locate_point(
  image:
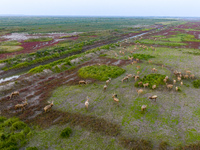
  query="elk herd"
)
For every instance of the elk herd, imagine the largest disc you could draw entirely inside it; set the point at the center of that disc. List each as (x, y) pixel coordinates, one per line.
(169, 86)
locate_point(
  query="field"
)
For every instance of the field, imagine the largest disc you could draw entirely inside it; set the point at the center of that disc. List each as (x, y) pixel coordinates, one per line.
(53, 71)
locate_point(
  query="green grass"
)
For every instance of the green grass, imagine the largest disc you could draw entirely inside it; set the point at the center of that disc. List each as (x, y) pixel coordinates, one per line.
(10, 49)
(42, 39)
(143, 56)
(182, 37)
(152, 79)
(10, 43)
(13, 133)
(152, 42)
(102, 72)
(196, 83)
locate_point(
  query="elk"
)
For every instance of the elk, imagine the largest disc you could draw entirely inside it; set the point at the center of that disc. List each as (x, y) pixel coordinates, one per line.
(136, 77)
(139, 91)
(192, 76)
(116, 55)
(143, 108)
(153, 97)
(107, 81)
(174, 81)
(153, 69)
(22, 106)
(134, 62)
(138, 72)
(165, 80)
(48, 107)
(167, 77)
(129, 75)
(137, 60)
(130, 58)
(125, 78)
(82, 82)
(185, 76)
(146, 85)
(176, 88)
(182, 83)
(114, 96)
(87, 103)
(105, 87)
(179, 78)
(162, 66)
(138, 67)
(154, 86)
(150, 61)
(187, 72)
(14, 94)
(169, 86)
(140, 83)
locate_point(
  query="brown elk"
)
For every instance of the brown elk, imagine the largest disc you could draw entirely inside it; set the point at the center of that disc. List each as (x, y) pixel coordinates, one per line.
(48, 107)
(125, 78)
(143, 108)
(108, 81)
(105, 87)
(139, 91)
(22, 106)
(153, 97)
(136, 77)
(169, 86)
(14, 94)
(82, 82)
(146, 85)
(154, 70)
(154, 86)
(115, 99)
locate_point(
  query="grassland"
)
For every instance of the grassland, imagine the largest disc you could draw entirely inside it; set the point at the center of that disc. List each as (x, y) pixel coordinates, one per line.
(173, 118)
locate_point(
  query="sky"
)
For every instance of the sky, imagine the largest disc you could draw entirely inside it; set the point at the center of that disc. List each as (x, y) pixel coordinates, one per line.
(173, 8)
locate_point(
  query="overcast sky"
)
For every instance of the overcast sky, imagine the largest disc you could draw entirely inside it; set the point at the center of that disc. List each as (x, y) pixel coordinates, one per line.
(181, 8)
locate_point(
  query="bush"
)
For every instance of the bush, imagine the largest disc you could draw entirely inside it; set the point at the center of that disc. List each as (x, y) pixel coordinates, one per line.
(18, 125)
(10, 139)
(196, 83)
(32, 148)
(66, 132)
(102, 72)
(152, 79)
(142, 56)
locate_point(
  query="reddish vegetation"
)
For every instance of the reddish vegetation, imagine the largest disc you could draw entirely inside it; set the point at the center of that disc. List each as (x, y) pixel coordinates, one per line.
(29, 47)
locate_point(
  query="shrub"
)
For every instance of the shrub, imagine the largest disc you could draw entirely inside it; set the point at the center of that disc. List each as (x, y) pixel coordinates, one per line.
(152, 79)
(102, 72)
(32, 148)
(18, 125)
(66, 132)
(142, 56)
(196, 83)
(10, 139)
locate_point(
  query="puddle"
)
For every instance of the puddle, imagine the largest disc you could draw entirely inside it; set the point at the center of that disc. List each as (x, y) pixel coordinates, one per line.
(9, 78)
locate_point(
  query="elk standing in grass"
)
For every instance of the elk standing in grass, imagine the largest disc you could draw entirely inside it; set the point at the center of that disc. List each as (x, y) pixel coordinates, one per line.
(143, 108)
(146, 85)
(48, 107)
(182, 83)
(169, 86)
(153, 97)
(139, 91)
(154, 70)
(125, 78)
(108, 81)
(82, 82)
(22, 106)
(136, 77)
(154, 86)
(14, 94)
(115, 98)
(87, 103)
(105, 87)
